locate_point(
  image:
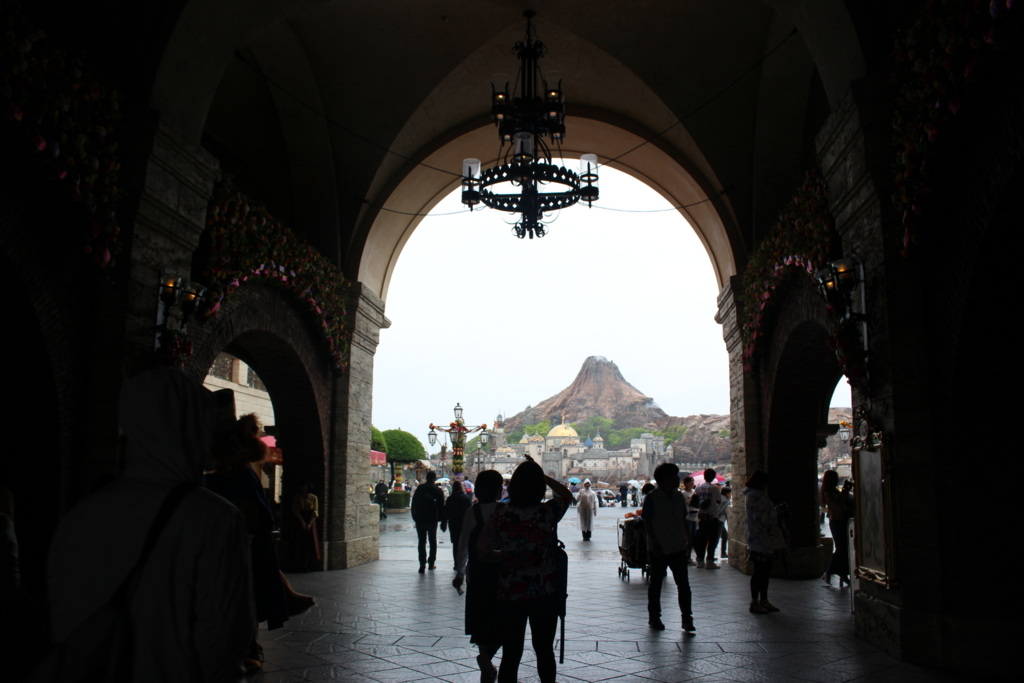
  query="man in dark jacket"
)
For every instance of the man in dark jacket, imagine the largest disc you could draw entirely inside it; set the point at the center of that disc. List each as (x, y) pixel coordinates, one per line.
(427, 511)
(380, 495)
(455, 512)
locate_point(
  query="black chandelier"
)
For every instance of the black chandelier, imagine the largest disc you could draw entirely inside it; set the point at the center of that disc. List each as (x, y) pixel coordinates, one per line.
(524, 180)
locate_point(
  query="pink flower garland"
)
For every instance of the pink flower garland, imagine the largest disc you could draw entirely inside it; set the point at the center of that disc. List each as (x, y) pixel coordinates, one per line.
(245, 242)
(935, 61)
(800, 242)
(67, 120)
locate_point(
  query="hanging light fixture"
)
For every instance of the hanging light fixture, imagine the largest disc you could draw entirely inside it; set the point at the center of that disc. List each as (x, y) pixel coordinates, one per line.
(529, 118)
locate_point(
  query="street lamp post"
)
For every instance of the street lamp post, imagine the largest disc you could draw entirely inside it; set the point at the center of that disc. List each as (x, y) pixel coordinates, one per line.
(457, 431)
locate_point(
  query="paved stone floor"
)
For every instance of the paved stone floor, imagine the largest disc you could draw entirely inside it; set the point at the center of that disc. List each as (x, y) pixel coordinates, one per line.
(385, 622)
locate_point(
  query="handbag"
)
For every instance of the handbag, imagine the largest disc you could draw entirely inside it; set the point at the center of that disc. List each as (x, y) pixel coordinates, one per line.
(102, 648)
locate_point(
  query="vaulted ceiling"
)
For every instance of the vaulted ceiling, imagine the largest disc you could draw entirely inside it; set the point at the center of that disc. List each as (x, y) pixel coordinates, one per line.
(303, 100)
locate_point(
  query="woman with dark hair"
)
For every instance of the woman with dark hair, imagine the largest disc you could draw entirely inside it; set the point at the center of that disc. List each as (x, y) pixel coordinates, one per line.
(521, 538)
(235, 451)
(764, 540)
(306, 510)
(837, 507)
(481, 594)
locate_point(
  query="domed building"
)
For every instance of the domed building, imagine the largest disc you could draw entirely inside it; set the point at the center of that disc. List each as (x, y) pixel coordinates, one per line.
(559, 434)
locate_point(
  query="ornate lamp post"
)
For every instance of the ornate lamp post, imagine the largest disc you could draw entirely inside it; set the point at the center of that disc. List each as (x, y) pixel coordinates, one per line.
(457, 432)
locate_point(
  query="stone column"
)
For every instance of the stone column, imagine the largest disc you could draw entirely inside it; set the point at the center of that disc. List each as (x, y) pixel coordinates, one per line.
(177, 184)
(353, 529)
(744, 417)
(855, 151)
(172, 182)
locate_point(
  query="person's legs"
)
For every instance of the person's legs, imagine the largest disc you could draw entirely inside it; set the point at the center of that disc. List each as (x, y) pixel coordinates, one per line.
(723, 533)
(659, 568)
(713, 525)
(759, 581)
(543, 627)
(421, 537)
(513, 634)
(432, 535)
(701, 543)
(840, 562)
(766, 575)
(677, 563)
(693, 539)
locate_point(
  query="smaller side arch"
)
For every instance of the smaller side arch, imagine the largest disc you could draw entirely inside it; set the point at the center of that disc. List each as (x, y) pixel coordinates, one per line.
(260, 325)
(798, 375)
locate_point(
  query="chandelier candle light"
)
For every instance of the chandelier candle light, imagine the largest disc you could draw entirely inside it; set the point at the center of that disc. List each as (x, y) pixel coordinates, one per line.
(524, 180)
(457, 432)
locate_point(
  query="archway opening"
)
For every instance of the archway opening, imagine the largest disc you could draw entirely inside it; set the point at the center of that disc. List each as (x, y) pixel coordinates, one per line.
(499, 324)
(798, 426)
(269, 378)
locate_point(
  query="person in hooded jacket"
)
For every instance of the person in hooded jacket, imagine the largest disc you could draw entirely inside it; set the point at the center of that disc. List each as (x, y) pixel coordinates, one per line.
(192, 610)
(587, 509)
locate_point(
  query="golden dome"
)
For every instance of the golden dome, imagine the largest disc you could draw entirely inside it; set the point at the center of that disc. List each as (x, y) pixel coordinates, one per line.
(505, 449)
(525, 439)
(536, 437)
(562, 430)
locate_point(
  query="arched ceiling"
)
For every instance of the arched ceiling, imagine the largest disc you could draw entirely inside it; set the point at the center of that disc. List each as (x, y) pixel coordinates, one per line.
(347, 80)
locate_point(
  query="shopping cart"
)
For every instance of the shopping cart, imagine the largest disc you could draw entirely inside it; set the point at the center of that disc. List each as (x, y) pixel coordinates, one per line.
(632, 539)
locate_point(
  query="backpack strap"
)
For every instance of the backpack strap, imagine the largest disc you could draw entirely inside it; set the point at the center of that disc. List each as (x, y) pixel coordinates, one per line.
(163, 516)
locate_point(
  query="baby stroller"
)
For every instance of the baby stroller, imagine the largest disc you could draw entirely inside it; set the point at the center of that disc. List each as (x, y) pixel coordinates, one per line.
(633, 547)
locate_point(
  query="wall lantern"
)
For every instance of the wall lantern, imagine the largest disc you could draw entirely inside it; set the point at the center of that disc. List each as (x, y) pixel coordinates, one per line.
(178, 302)
(836, 282)
(844, 432)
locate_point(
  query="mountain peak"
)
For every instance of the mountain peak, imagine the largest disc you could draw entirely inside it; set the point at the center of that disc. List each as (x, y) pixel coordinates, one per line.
(599, 389)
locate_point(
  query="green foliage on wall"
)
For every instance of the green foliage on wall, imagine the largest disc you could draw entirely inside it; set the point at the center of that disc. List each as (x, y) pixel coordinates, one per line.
(403, 446)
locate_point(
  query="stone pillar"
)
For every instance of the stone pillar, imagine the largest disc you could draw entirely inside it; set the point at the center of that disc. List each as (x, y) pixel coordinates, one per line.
(353, 529)
(177, 183)
(855, 150)
(744, 417)
(172, 181)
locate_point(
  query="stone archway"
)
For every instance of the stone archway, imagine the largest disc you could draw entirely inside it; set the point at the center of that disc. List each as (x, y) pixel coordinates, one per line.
(796, 373)
(260, 325)
(661, 167)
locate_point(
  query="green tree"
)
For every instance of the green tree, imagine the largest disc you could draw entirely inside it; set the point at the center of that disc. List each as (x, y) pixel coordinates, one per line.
(593, 426)
(672, 433)
(403, 447)
(377, 440)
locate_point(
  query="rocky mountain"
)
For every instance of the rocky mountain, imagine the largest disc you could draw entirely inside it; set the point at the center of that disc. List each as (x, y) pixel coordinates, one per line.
(599, 389)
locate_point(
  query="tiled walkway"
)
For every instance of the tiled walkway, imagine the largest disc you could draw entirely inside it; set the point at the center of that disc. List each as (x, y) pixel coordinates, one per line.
(385, 622)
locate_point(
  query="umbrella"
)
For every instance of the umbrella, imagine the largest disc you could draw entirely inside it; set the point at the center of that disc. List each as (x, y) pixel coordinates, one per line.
(442, 480)
(634, 482)
(698, 478)
(574, 480)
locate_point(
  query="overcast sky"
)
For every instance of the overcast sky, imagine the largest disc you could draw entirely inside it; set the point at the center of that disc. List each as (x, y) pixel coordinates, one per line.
(496, 323)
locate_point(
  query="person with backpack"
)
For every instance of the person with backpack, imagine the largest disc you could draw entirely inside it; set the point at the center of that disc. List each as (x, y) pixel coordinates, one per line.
(427, 510)
(482, 589)
(664, 516)
(707, 499)
(454, 512)
(521, 537)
